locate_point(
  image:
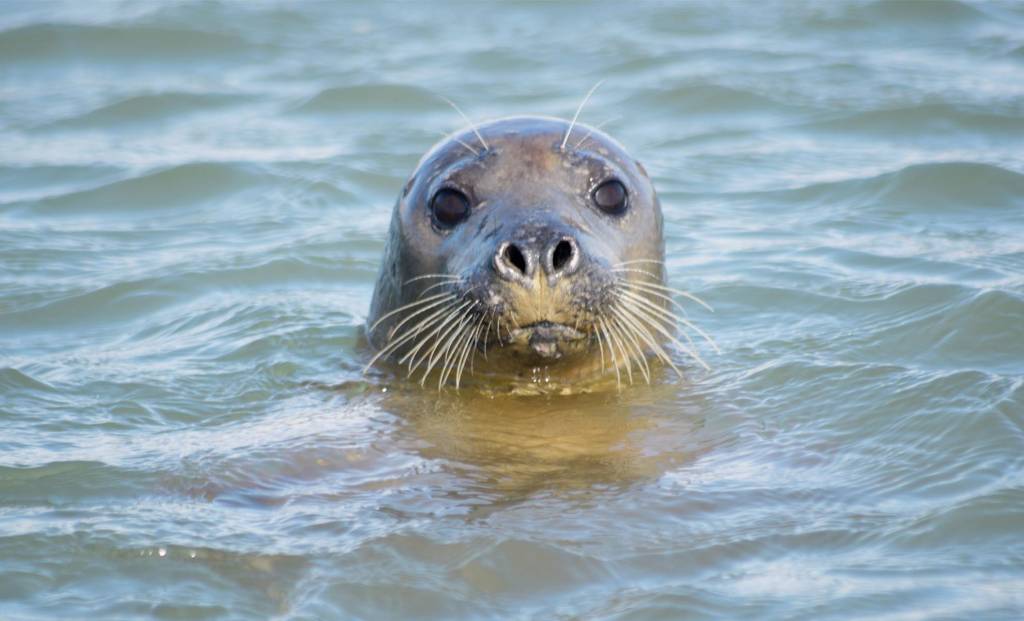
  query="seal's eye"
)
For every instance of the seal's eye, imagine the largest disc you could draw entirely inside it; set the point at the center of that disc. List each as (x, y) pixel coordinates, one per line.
(450, 207)
(610, 197)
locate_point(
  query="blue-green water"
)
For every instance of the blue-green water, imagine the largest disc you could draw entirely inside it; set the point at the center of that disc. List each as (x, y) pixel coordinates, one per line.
(193, 203)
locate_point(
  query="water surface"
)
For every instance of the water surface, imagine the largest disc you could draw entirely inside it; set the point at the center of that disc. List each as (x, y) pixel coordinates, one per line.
(193, 203)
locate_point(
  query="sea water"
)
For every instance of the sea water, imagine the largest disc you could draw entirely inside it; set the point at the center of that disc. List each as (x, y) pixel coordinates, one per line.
(194, 199)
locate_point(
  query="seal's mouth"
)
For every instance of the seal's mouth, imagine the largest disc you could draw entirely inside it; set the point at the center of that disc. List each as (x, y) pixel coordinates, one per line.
(545, 338)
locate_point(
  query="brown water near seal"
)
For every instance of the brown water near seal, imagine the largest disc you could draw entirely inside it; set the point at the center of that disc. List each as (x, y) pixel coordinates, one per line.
(527, 250)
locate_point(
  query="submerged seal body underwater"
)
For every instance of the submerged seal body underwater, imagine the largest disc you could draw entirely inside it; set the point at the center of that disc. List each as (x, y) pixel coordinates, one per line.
(527, 249)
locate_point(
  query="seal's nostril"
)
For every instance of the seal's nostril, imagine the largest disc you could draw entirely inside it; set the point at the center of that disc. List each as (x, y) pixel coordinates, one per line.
(561, 255)
(514, 257)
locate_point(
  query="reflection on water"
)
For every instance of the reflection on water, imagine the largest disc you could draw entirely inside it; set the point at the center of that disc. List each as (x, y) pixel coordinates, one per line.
(512, 448)
(193, 204)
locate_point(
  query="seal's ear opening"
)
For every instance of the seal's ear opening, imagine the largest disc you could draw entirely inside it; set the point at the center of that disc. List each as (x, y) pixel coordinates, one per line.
(641, 168)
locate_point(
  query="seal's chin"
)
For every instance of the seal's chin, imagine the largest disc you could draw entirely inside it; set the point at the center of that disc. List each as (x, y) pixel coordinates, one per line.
(546, 340)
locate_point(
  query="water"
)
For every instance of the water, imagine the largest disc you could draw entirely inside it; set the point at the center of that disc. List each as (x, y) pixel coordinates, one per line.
(193, 203)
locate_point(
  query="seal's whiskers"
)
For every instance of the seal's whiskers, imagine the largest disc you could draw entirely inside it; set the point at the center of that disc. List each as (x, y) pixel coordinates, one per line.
(596, 331)
(640, 310)
(490, 320)
(406, 307)
(627, 360)
(651, 320)
(671, 318)
(666, 290)
(632, 261)
(637, 351)
(452, 277)
(472, 125)
(576, 116)
(686, 322)
(594, 129)
(411, 357)
(462, 142)
(399, 339)
(467, 350)
(603, 329)
(439, 352)
(627, 315)
(636, 270)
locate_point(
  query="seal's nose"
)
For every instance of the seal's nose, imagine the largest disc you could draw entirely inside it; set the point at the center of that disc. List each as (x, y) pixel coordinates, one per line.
(518, 261)
(562, 257)
(515, 262)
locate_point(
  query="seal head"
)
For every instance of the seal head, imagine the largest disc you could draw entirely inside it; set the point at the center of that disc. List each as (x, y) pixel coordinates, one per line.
(521, 251)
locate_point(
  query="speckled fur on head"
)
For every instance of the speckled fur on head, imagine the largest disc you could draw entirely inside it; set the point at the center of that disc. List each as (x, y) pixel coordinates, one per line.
(541, 248)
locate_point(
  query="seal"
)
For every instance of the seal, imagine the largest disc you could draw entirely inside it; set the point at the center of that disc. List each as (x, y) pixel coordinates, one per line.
(526, 249)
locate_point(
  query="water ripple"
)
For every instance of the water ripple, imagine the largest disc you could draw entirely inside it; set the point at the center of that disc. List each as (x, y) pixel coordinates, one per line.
(193, 201)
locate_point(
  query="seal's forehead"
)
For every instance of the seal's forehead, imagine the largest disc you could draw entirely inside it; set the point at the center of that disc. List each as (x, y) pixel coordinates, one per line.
(525, 128)
(544, 137)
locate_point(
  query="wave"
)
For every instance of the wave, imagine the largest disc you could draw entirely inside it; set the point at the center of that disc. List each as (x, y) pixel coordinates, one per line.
(921, 326)
(941, 12)
(977, 333)
(997, 512)
(923, 188)
(895, 14)
(13, 381)
(131, 299)
(184, 186)
(23, 183)
(1007, 263)
(956, 185)
(127, 44)
(366, 98)
(919, 268)
(707, 99)
(935, 119)
(148, 108)
(63, 480)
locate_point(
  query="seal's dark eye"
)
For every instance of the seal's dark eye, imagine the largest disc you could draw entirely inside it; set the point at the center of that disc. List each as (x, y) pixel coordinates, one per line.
(611, 196)
(450, 207)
